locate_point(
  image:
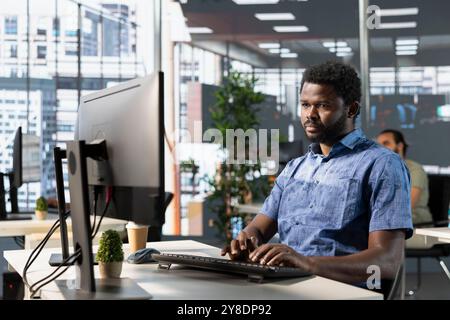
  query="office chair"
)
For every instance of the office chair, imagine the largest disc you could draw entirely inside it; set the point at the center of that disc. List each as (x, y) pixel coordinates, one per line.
(439, 190)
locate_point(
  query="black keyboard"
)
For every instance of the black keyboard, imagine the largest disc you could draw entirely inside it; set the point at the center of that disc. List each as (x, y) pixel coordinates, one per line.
(254, 271)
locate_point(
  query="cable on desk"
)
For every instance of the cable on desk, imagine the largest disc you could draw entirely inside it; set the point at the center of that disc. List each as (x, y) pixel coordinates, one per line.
(36, 251)
(96, 193)
(108, 201)
(51, 277)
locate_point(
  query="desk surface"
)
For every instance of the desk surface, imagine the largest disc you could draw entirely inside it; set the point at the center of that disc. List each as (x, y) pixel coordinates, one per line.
(188, 284)
(442, 234)
(11, 228)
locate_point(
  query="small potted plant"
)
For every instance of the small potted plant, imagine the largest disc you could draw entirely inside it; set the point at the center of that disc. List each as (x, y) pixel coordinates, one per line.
(41, 208)
(110, 254)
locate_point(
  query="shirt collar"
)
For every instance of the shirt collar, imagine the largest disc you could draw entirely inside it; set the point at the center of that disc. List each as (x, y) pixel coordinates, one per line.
(352, 138)
(350, 141)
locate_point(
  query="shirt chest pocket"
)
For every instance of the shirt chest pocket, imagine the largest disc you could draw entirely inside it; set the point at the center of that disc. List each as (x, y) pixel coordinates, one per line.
(324, 205)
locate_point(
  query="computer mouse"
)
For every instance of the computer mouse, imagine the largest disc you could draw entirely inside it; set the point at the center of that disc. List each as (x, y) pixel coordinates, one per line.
(142, 256)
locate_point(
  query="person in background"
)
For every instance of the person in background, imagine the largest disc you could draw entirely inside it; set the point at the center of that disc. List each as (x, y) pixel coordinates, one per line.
(394, 140)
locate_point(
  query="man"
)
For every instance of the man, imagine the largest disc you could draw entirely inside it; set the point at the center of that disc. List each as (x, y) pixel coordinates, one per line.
(342, 207)
(394, 140)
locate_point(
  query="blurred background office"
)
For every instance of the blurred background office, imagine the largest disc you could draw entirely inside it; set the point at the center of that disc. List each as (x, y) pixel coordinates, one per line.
(52, 52)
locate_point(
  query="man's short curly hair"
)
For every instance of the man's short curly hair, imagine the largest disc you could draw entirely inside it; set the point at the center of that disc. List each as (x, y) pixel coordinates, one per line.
(342, 77)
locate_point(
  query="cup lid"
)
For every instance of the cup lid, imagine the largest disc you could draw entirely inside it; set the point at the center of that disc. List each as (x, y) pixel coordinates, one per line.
(131, 224)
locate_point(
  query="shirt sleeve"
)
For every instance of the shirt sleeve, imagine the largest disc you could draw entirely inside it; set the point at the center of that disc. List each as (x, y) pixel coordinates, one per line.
(272, 202)
(390, 199)
(418, 177)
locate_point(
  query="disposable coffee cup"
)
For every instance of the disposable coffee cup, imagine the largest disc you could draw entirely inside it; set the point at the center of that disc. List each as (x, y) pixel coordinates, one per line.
(137, 236)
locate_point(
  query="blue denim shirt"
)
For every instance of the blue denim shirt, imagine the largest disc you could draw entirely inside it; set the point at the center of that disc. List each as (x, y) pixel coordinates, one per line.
(327, 206)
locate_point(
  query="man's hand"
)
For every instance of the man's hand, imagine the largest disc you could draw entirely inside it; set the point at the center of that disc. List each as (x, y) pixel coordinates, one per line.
(277, 254)
(241, 247)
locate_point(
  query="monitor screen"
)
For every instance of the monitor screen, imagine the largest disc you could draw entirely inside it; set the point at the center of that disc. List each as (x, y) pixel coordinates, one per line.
(122, 128)
(17, 159)
(129, 117)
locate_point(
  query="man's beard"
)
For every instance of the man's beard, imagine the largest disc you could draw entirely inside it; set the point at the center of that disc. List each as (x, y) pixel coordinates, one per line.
(327, 134)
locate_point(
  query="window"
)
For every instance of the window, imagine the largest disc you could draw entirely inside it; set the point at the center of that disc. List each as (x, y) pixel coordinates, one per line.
(71, 33)
(11, 25)
(71, 49)
(41, 52)
(56, 24)
(41, 32)
(13, 51)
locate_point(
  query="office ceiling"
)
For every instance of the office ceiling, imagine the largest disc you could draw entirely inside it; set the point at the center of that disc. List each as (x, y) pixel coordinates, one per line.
(327, 20)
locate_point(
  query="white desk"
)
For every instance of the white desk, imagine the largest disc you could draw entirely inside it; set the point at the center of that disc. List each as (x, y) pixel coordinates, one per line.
(441, 234)
(35, 229)
(187, 284)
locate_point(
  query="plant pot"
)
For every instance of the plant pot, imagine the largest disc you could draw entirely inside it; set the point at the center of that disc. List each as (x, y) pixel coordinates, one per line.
(110, 269)
(40, 215)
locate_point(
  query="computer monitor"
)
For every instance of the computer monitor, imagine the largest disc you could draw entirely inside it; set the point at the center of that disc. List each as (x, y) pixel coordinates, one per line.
(15, 182)
(130, 118)
(122, 128)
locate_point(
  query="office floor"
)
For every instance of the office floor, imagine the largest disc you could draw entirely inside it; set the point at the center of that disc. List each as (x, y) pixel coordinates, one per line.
(435, 286)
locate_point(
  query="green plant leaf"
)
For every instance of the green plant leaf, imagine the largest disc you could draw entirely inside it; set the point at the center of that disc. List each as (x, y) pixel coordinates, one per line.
(110, 247)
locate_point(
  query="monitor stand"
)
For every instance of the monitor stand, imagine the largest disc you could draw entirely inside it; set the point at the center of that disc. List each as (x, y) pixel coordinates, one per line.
(56, 260)
(86, 286)
(105, 289)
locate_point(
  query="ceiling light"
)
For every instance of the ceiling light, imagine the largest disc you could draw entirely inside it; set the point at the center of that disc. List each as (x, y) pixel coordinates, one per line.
(406, 53)
(200, 30)
(289, 55)
(333, 50)
(329, 44)
(246, 2)
(406, 48)
(269, 45)
(346, 49)
(274, 16)
(290, 28)
(397, 25)
(282, 50)
(398, 12)
(344, 54)
(406, 42)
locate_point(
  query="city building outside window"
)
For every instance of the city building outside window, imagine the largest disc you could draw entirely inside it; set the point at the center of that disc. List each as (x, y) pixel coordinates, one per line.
(11, 25)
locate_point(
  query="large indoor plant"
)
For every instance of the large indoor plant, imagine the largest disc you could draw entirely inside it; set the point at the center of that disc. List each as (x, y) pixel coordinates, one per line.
(110, 254)
(236, 108)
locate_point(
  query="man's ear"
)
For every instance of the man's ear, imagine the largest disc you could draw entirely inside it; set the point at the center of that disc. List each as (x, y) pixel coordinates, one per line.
(401, 147)
(353, 109)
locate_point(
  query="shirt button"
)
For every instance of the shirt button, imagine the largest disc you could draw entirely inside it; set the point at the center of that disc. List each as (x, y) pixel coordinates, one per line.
(311, 206)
